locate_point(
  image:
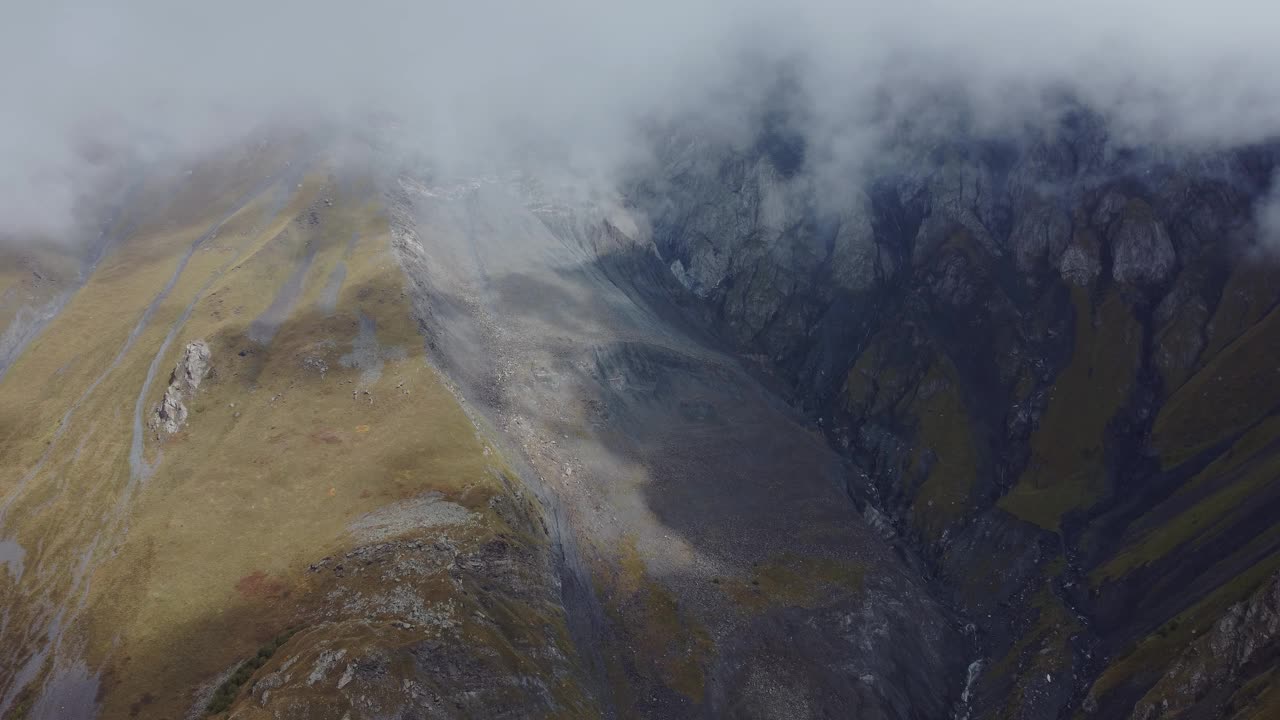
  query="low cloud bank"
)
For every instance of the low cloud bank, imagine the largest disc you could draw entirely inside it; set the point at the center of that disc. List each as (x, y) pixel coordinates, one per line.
(92, 87)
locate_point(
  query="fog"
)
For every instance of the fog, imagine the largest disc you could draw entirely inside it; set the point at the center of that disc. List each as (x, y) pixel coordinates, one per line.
(90, 87)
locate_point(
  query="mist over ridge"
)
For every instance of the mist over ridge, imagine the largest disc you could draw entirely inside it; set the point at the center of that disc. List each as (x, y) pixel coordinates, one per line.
(91, 87)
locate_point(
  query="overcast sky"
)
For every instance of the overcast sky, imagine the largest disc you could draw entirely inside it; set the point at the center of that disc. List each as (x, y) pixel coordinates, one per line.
(482, 77)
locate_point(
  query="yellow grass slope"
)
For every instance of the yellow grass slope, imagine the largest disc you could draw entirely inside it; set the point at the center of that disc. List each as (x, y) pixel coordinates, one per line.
(157, 576)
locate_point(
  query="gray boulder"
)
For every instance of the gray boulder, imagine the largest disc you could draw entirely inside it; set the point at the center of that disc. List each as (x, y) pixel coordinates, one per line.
(193, 367)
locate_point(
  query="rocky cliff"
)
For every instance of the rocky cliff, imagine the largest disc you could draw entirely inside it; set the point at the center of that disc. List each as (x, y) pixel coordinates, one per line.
(1051, 355)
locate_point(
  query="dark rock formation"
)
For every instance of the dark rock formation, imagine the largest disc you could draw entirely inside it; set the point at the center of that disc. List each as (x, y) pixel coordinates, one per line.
(1242, 643)
(1022, 342)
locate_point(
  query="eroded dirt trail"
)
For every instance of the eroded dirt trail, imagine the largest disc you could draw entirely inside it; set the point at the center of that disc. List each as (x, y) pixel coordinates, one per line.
(733, 569)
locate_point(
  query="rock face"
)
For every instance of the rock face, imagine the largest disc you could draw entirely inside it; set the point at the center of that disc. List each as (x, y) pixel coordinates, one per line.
(383, 644)
(1143, 251)
(1243, 640)
(1033, 347)
(171, 414)
(1042, 233)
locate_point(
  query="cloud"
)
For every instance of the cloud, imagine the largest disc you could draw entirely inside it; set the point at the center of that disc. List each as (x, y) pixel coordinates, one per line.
(574, 81)
(1268, 219)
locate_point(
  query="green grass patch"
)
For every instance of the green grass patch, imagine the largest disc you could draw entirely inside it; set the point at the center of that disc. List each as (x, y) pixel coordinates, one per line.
(875, 383)
(1155, 652)
(1211, 515)
(1247, 298)
(943, 496)
(226, 693)
(667, 643)
(1258, 699)
(793, 581)
(1233, 391)
(1067, 470)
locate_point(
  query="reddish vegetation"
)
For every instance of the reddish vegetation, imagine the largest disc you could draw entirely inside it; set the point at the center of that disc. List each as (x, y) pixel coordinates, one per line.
(259, 585)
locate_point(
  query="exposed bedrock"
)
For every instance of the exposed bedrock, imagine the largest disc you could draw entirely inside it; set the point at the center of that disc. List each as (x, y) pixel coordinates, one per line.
(1046, 357)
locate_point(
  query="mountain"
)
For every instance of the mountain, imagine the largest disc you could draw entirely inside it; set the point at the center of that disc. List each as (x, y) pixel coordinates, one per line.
(985, 432)
(1052, 356)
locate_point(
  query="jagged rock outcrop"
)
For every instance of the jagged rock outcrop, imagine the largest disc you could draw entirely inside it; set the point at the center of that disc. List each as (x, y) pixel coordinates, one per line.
(1039, 234)
(1246, 635)
(192, 367)
(1143, 252)
(1080, 263)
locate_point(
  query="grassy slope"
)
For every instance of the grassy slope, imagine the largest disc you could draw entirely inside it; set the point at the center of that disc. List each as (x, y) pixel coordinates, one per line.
(205, 561)
(65, 507)
(1247, 468)
(1236, 388)
(1228, 399)
(31, 277)
(944, 495)
(1066, 471)
(942, 468)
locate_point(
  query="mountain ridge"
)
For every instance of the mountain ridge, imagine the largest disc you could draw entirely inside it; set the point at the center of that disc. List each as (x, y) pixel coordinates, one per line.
(714, 445)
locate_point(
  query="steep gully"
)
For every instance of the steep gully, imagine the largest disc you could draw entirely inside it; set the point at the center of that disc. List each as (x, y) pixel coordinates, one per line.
(713, 522)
